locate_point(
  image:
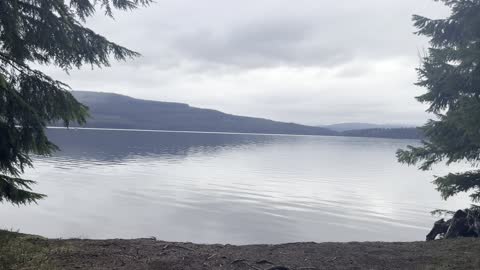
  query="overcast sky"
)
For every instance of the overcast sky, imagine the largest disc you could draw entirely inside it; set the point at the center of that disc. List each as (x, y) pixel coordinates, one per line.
(305, 61)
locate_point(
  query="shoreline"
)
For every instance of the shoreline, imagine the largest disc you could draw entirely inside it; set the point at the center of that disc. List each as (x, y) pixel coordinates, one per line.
(149, 253)
(338, 135)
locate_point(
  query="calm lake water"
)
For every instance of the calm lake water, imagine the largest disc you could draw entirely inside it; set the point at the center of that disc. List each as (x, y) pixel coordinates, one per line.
(227, 188)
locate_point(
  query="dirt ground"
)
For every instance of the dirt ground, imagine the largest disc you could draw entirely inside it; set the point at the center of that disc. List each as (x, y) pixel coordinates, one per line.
(21, 251)
(152, 254)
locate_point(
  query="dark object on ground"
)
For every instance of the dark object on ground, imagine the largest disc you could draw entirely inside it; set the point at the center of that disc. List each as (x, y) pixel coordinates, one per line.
(439, 228)
(136, 254)
(464, 223)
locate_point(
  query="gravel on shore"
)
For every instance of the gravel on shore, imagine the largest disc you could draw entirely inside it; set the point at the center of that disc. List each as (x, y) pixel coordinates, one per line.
(152, 254)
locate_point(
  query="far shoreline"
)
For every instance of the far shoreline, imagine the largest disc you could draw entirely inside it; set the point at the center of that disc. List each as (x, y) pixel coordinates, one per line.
(221, 133)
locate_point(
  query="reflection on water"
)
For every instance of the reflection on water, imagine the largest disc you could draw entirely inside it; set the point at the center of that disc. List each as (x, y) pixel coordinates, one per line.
(227, 188)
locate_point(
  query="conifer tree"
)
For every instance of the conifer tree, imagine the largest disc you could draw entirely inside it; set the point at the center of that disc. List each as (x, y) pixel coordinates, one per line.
(47, 32)
(450, 72)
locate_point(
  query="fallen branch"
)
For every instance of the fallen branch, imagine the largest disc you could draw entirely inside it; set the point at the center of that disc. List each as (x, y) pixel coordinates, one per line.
(237, 261)
(265, 262)
(278, 268)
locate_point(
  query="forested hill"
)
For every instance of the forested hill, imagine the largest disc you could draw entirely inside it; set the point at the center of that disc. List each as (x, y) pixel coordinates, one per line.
(110, 110)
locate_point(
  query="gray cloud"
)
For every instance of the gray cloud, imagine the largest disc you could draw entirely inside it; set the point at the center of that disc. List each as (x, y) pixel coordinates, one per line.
(307, 33)
(256, 44)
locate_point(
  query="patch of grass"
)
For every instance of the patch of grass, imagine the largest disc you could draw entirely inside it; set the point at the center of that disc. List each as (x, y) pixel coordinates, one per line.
(21, 251)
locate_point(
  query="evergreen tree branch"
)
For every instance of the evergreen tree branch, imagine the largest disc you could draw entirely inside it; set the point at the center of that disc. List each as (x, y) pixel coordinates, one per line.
(450, 72)
(17, 191)
(44, 32)
(452, 184)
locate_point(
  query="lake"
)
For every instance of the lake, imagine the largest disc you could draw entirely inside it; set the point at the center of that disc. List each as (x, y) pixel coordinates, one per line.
(228, 188)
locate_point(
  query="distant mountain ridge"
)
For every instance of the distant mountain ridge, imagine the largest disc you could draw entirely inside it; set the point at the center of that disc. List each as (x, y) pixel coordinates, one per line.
(109, 110)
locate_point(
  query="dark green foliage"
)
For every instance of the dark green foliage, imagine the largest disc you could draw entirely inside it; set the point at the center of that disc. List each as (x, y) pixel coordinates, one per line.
(451, 74)
(16, 190)
(43, 32)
